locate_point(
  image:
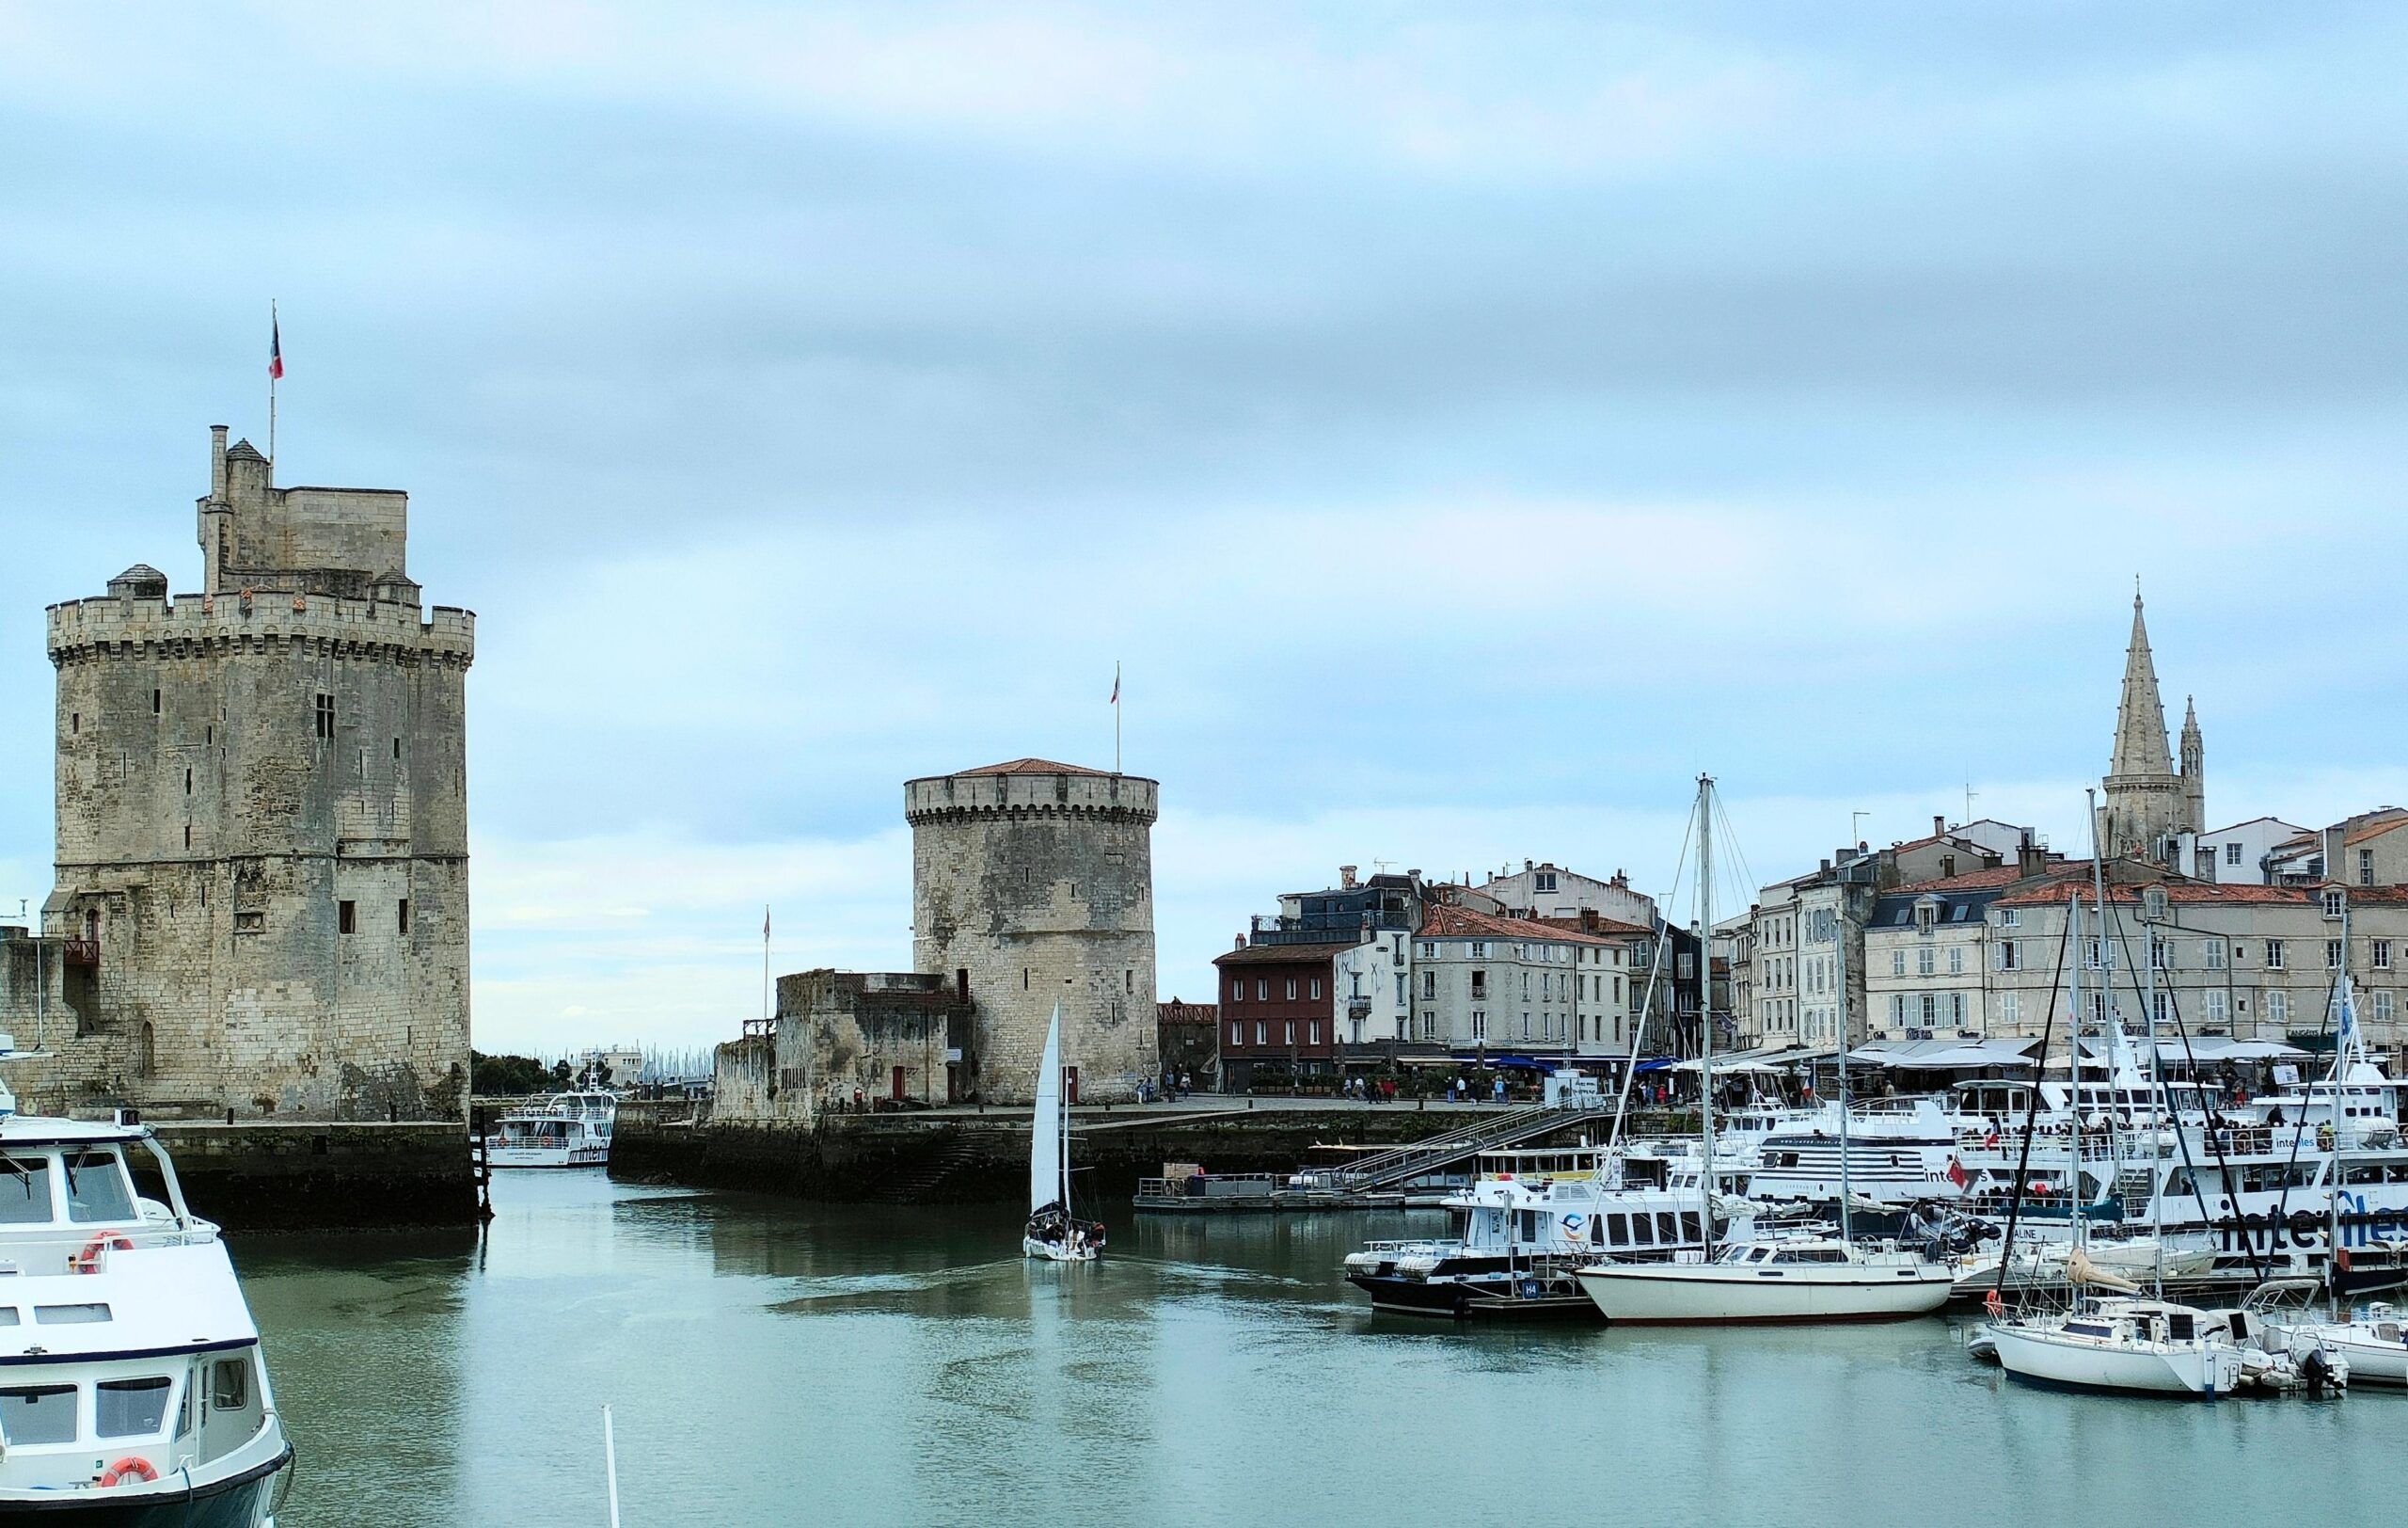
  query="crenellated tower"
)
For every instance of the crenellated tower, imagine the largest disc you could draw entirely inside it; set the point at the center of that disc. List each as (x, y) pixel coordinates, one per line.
(261, 880)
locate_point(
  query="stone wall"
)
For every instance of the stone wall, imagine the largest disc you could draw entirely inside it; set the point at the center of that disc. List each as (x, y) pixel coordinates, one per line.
(840, 1040)
(1039, 886)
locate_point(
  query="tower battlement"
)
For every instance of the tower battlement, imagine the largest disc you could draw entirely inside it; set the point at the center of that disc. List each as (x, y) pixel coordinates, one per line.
(1055, 790)
(103, 624)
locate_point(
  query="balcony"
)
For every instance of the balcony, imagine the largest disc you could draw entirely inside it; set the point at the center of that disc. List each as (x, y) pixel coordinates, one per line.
(81, 952)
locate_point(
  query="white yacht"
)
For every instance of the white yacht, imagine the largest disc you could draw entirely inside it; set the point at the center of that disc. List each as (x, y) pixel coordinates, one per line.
(1804, 1278)
(569, 1130)
(2374, 1341)
(2142, 1346)
(1899, 1151)
(1528, 1219)
(132, 1386)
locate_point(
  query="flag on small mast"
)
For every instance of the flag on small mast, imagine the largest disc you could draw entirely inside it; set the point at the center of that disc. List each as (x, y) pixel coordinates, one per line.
(275, 347)
(1116, 685)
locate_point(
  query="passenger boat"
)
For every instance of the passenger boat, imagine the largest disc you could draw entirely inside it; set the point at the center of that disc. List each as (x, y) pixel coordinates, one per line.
(1053, 1233)
(132, 1386)
(570, 1130)
(1803, 1278)
(1898, 1150)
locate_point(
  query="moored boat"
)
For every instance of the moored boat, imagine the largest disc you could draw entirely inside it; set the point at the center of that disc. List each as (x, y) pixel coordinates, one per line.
(568, 1130)
(133, 1389)
(1804, 1278)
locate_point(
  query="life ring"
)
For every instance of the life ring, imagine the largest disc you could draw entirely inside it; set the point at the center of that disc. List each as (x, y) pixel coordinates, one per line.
(1994, 1304)
(89, 1260)
(132, 1467)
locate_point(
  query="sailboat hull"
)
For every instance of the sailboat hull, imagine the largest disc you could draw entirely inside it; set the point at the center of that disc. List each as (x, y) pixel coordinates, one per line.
(1716, 1295)
(2039, 1356)
(1045, 1252)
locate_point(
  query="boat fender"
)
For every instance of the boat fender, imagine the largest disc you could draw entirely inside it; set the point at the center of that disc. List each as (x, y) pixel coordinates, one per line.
(128, 1469)
(89, 1260)
(1994, 1304)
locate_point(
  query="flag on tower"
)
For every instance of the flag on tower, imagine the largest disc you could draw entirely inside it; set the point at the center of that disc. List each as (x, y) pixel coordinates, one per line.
(1116, 685)
(764, 923)
(274, 348)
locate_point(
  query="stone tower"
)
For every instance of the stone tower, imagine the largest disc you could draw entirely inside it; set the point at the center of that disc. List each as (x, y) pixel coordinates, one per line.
(2148, 802)
(1033, 882)
(263, 861)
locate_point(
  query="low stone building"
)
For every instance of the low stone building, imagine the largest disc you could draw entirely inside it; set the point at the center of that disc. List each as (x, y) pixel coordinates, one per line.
(846, 1040)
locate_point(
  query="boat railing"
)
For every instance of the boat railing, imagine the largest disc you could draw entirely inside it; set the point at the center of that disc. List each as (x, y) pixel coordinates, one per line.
(51, 1249)
(1211, 1186)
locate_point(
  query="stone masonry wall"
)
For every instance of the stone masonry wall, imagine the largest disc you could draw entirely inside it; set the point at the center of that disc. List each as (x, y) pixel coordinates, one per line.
(1040, 886)
(209, 836)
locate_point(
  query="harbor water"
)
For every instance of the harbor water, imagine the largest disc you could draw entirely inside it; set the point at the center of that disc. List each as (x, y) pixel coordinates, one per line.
(770, 1363)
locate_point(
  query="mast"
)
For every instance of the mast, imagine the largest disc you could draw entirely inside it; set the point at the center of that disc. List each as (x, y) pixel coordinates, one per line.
(1839, 933)
(1705, 998)
(2156, 1100)
(2343, 1043)
(2073, 1065)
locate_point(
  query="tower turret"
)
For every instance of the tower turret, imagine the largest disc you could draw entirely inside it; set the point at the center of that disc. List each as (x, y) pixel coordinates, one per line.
(2147, 803)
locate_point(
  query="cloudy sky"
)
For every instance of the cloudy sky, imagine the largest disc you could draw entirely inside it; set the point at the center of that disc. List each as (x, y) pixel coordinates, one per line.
(1466, 423)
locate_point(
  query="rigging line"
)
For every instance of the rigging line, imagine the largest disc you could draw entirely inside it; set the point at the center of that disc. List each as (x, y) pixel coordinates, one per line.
(2031, 1123)
(1647, 1001)
(1731, 837)
(2290, 1168)
(2190, 1167)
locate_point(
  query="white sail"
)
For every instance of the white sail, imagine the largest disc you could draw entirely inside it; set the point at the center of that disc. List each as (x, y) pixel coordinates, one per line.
(1045, 1131)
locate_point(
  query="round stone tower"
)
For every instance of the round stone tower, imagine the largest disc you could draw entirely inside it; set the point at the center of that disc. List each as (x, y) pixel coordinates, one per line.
(1030, 882)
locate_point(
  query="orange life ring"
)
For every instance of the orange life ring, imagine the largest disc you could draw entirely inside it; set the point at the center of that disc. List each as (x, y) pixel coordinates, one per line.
(130, 1468)
(89, 1260)
(1993, 1304)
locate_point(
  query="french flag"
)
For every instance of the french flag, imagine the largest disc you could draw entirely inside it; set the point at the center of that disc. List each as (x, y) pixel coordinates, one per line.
(275, 349)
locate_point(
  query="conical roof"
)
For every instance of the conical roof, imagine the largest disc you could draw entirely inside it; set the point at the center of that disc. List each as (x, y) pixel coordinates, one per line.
(2140, 715)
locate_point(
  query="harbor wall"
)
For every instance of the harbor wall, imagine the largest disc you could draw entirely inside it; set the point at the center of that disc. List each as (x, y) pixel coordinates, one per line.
(323, 1176)
(957, 1157)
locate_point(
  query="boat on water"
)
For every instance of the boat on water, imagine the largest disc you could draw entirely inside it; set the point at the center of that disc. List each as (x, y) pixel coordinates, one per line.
(133, 1389)
(566, 1130)
(2140, 1346)
(1055, 1235)
(2372, 1340)
(1530, 1218)
(1795, 1279)
(1898, 1152)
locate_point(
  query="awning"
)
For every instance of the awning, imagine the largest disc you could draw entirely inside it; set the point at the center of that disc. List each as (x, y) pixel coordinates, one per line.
(1660, 1063)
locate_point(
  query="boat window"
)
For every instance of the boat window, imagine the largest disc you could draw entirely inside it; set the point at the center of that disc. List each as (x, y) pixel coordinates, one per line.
(1762, 1254)
(96, 1187)
(71, 1315)
(1620, 1233)
(230, 1384)
(38, 1413)
(2088, 1328)
(8, 1316)
(130, 1408)
(1642, 1230)
(1688, 1226)
(2178, 1326)
(184, 1408)
(25, 1190)
(1668, 1227)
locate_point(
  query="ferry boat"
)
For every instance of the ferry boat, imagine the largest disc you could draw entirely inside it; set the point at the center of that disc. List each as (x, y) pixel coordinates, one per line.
(1529, 1218)
(569, 1130)
(133, 1389)
(1899, 1151)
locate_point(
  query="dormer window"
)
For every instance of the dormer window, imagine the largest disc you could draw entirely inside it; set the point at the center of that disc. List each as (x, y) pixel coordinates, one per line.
(2332, 903)
(1543, 881)
(2153, 903)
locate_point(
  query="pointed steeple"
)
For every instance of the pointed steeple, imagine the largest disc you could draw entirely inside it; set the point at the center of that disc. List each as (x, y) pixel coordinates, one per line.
(2140, 715)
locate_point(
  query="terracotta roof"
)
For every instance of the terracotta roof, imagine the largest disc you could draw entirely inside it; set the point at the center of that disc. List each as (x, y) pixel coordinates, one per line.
(1458, 922)
(2383, 822)
(2194, 892)
(1030, 766)
(1598, 924)
(1281, 954)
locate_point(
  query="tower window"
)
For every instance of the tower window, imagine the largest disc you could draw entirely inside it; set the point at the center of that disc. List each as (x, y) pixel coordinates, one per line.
(347, 917)
(187, 782)
(187, 835)
(155, 703)
(397, 747)
(1024, 978)
(325, 716)
(403, 921)
(75, 723)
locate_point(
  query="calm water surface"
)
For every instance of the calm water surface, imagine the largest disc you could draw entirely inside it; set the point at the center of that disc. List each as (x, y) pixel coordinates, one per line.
(777, 1363)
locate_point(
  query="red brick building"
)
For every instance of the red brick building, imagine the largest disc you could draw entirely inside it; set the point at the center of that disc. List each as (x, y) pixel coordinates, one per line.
(1278, 1009)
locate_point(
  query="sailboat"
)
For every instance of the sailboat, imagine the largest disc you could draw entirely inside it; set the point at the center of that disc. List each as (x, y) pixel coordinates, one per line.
(1053, 1233)
(1798, 1278)
(2121, 1342)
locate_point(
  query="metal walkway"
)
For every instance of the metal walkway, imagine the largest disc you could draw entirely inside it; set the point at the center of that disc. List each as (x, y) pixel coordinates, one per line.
(1402, 1164)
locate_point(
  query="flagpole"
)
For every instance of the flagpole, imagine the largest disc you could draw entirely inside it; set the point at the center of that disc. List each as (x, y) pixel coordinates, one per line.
(1116, 717)
(765, 1011)
(270, 388)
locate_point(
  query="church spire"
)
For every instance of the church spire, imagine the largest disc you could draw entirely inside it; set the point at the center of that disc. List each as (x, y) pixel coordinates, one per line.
(2140, 715)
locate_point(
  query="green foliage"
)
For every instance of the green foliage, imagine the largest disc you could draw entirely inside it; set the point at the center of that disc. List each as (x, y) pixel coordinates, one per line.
(500, 1076)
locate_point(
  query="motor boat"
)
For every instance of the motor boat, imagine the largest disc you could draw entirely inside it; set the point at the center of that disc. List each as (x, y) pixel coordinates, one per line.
(132, 1389)
(1802, 1278)
(569, 1130)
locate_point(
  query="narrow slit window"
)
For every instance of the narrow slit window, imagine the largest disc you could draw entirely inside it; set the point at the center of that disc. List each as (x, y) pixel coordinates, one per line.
(402, 920)
(347, 917)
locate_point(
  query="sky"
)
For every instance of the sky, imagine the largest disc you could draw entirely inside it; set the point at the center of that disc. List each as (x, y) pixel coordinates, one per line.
(1463, 424)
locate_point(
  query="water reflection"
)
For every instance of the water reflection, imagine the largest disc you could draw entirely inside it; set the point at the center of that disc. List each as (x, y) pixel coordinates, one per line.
(771, 1361)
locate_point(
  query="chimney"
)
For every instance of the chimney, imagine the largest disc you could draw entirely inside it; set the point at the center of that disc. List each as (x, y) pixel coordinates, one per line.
(1527, 866)
(1346, 878)
(1241, 943)
(1939, 824)
(1414, 875)
(218, 464)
